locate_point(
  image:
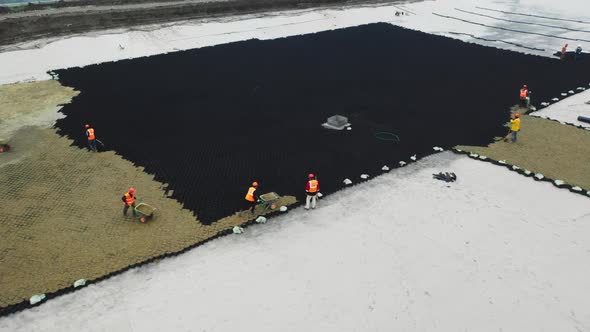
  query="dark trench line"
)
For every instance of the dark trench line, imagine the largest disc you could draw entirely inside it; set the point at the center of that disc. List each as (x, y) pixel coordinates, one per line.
(497, 40)
(521, 22)
(533, 15)
(511, 30)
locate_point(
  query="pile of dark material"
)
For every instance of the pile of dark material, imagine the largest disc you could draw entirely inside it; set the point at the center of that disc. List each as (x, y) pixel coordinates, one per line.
(210, 121)
(446, 176)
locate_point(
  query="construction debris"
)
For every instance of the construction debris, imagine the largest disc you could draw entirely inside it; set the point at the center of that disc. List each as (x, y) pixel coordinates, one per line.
(337, 122)
(446, 176)
(36, 298)
(80, 283)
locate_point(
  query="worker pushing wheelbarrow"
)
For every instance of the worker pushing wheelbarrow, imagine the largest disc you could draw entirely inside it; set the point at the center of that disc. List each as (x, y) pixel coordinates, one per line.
(141, 211)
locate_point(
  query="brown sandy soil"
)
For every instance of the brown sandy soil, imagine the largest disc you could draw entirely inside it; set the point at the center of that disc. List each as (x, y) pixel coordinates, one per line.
(555, 150)
(20, 106)
(61, 212)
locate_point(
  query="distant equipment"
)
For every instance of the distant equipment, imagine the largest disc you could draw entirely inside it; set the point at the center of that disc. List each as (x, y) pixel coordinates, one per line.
(584, 119)
(336, 122)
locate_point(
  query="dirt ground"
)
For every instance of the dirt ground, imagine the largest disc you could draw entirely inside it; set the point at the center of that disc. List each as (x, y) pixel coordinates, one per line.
(555, 150)
(61, 211)
(19, 105)
(66, 18)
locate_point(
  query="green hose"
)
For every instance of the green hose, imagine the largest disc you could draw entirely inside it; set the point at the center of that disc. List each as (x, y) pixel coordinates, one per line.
(386, 136)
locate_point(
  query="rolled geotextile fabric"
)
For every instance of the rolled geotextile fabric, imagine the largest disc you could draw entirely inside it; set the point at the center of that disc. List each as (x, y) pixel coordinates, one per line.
(584, 119)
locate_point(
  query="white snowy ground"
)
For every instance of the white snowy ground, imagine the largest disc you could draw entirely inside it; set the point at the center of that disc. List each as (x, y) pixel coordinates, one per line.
(494, 251)
(569, 109)
(31, 61)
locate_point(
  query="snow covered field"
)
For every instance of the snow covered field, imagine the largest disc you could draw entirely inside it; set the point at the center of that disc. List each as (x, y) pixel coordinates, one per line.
(462, 19)
(569, 109)
(494, 251)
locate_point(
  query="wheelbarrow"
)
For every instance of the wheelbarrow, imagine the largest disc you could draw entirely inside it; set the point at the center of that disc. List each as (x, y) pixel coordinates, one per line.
(144, 212)
(4, 147)
(268, 200)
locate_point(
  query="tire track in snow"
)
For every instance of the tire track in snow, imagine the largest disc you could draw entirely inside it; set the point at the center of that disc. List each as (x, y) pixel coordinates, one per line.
(497, 40)
(532, 15)
(522, 22)
(512, 30)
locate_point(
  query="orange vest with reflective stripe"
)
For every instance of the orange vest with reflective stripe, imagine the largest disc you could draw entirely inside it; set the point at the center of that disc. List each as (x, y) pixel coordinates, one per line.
(129, 199)
(90, 134)
(250, 194)
(523, 93)
(313, 186)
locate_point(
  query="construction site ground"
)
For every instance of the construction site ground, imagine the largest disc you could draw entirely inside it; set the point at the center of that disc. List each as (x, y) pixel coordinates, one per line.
(62, 216)
(47, 20)
(61, 211)
(543, 146)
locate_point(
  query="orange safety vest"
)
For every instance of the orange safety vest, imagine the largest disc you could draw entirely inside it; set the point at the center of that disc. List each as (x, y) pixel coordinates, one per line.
(129, 199)
(250, 194)
(313, 186)
(90, 134)
(523, 93)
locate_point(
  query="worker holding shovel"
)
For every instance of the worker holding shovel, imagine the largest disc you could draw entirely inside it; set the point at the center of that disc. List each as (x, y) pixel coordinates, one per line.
(92, 140)
(515, 127)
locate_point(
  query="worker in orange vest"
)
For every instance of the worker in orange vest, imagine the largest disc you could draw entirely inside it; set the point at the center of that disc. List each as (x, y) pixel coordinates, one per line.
(129, 202)
(525, 96)
(564, 51)
(311, 188)
(252, 197)
(91, 138)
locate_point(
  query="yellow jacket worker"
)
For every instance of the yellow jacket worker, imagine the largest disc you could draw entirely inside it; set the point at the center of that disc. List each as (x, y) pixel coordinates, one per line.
(515, 126)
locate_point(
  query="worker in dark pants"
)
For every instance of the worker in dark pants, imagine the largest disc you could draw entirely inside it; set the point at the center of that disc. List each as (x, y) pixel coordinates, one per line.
(252, 197)
(578, 53)
(129, 202)
(91, 138)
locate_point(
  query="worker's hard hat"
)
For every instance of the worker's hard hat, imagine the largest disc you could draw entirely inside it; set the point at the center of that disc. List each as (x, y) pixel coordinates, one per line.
(524, 86)
(87, 125)
(311, 176)
(254, 184)
(517, 115)
(132, 190)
